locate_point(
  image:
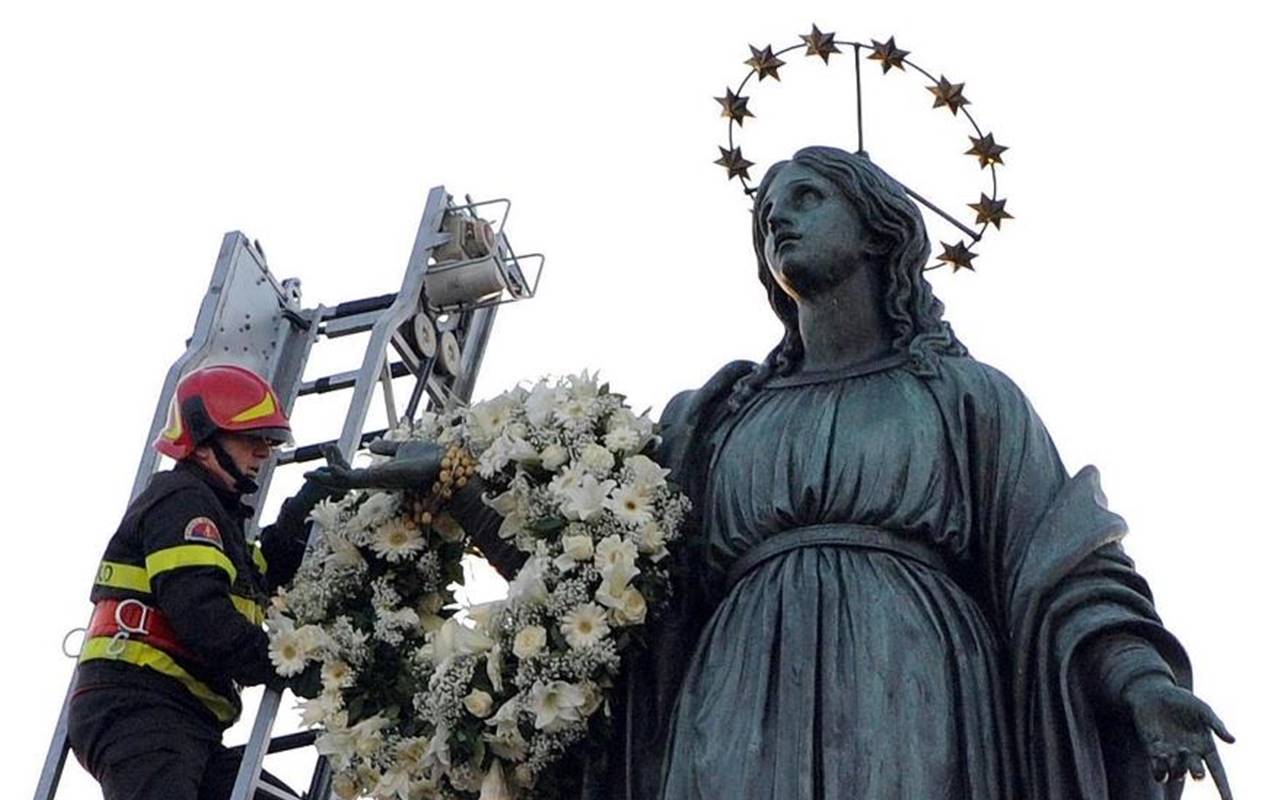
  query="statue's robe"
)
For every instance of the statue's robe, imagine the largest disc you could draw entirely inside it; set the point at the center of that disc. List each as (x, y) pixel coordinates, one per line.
(1056, 584)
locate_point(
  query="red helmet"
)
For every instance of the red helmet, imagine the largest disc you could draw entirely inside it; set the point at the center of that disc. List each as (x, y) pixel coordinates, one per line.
(221, 398)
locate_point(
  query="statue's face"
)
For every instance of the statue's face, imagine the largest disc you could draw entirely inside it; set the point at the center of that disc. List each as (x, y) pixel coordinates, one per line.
(814, 238)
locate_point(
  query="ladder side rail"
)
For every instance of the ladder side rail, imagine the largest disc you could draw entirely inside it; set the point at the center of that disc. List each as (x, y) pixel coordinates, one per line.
(427, 238)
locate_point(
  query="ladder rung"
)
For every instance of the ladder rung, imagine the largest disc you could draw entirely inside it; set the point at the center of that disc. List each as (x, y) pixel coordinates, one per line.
(315, 452)
(357, 323)
(291, 741)
(353, 307)
(345, 380)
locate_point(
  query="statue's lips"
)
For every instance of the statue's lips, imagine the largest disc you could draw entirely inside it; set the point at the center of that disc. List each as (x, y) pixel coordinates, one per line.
(783, 239)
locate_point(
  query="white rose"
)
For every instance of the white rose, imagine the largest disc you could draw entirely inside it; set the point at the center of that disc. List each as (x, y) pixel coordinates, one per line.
(479, 703)
(554, 456)
(633, 608)
(579, 548)
(529, 641)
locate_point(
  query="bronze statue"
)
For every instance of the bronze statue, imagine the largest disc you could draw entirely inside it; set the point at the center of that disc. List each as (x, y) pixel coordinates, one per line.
(891, 587)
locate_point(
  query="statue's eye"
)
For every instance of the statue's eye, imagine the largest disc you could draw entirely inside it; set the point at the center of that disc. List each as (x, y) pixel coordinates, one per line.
(807, 197)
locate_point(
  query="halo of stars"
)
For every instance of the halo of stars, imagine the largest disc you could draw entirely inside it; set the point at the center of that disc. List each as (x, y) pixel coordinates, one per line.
(946, 94)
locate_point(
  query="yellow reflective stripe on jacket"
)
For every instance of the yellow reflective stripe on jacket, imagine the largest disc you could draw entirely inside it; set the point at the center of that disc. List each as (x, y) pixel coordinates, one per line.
(248, 608)
(259, 560)
(144, 655)
(189, 555)
(123, 576)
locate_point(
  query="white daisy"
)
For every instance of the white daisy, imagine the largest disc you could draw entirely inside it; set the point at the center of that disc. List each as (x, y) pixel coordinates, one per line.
(397, 539)
(337, 674)
(630, 504)
(287, 653)
(584, 625)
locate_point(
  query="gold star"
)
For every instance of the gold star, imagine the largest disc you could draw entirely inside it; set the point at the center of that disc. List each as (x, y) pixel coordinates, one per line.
(958, 255)
(888, 54)
(733, 106)
(820, 44)
(764, 62)
(733, 161)
(946, 93)
(986, 149)
(990, 210)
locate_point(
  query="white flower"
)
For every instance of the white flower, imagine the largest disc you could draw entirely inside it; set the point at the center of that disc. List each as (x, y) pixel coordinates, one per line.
(320, 708)
(541, 403)
(573, 411)
(529, 641)
(336, 674)
(506, 740)
(584, 625)
(438, 747)
(479, 703)
(486, 419)
(555, 703)
(377, 508)
(652, 541)
(529, 586)
(509, 506)
(328, 514)
(494, 785)
(586, 500)
(493, 666)
(342, 553)
(397, 539)
(576, 548)
(631, 505)
(368, 735)
(584, 385)
(646, 474)
(553, 457)
(287, 653)
(621, 439)
(455, 639)
(628, 609)
(596, 459)
(337, 742)
(393, 783)
(612, 551)
(345, 787)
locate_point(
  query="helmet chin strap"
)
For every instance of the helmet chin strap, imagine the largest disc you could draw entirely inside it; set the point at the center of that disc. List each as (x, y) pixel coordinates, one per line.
(243, 483)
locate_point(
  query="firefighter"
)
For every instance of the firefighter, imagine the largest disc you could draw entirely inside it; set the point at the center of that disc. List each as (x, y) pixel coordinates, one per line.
(180, 598)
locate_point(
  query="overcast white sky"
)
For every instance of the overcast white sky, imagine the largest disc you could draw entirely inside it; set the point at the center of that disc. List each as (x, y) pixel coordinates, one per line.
(1132, 297)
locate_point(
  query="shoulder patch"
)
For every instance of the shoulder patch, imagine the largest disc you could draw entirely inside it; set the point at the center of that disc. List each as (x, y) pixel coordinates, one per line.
(202, 529)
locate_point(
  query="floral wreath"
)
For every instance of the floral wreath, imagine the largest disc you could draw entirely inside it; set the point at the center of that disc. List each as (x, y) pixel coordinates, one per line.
(418, 700)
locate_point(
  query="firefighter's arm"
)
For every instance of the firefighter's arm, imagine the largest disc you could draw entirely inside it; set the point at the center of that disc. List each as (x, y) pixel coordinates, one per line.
(284, 541)
(191, 578)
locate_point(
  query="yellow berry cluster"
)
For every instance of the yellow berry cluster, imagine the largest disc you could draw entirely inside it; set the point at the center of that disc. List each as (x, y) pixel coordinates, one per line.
(456, 468)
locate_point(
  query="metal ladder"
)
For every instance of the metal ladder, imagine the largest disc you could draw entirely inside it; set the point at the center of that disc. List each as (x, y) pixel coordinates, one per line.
(461, 268)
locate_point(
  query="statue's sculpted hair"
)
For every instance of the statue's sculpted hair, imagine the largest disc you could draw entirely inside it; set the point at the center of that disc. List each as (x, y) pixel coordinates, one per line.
(887, 214)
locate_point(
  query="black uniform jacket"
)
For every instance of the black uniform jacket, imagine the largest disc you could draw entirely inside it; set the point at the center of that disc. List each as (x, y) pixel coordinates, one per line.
(181, 550)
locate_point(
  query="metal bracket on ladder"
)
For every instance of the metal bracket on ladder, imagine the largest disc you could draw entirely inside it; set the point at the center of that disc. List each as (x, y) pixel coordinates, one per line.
(461, 268)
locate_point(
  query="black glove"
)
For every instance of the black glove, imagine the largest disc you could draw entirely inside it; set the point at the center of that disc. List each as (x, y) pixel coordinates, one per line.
(414, 465)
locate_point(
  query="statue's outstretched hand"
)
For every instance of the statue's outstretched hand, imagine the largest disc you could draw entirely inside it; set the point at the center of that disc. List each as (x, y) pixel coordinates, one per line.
(1177, 730)
(414, 465)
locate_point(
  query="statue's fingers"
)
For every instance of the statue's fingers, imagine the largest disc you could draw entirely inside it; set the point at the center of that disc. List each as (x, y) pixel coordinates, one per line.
(383, 447)
(1160, 768)
(1180, 762)
(1195, 765)
(334, 456)
(1219, 727)
(1214, 762)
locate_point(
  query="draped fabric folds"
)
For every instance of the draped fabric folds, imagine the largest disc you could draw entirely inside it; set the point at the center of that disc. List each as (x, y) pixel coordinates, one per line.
(958, 459)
